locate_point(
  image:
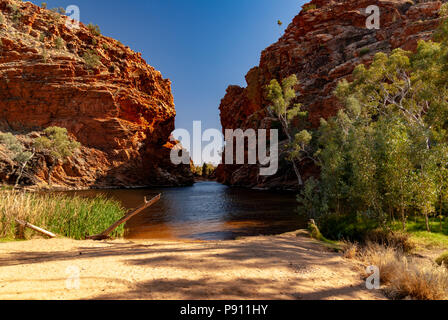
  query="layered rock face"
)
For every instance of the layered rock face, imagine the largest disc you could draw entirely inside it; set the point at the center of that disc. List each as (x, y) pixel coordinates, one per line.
(322, 46)
(117, 106)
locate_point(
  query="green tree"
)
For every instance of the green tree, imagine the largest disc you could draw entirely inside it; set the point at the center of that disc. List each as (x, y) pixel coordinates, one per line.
(386, 151)
(286, 112)
(57, 146)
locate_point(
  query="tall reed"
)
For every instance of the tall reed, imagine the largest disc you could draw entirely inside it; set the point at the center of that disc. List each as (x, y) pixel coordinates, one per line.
(68, 216)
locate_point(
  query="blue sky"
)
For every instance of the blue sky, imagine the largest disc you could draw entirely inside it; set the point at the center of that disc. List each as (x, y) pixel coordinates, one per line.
(201, 45)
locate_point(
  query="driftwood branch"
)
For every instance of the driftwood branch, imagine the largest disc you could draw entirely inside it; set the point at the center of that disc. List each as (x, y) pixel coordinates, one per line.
(40, 230)
(105, 234)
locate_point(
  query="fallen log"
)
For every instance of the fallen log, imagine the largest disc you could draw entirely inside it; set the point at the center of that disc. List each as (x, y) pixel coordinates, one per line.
(33, 227)
(105, 234)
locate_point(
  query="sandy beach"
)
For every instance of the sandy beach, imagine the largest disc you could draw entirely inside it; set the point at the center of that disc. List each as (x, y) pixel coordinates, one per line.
(288, 266)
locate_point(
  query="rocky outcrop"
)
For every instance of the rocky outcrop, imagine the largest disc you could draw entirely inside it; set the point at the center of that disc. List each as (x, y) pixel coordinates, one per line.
(117, 106)
(322, 46)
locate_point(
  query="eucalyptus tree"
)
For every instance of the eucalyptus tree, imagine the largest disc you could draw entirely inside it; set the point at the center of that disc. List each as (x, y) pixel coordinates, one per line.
(286, 111)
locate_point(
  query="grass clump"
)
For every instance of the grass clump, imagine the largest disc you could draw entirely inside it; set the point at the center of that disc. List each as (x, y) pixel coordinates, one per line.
(16, 15)
(443, 12)
(73, 217)
(309, 7)
(364, 51)
(94, 29)
(91, 59)
(59, 43)
(443, 260)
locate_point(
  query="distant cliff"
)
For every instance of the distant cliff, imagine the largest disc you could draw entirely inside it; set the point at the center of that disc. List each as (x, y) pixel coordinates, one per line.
(117, 106)
(322, 46)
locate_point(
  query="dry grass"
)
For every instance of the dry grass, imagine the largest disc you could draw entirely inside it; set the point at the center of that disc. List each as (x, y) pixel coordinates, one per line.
(401, 276)
(443, 260)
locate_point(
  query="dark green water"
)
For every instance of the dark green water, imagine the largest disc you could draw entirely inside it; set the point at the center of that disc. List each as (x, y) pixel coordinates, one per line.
(207, 211)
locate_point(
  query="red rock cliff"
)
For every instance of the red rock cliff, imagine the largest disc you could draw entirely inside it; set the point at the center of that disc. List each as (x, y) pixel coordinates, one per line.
(117, 106)
(322, 45)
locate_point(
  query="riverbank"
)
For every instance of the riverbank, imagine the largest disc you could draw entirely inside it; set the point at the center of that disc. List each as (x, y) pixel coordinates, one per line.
(288, 266)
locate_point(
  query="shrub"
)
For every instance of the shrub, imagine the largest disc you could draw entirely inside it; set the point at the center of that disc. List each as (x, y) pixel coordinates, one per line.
(57, 145)
(17, 152)
(443, 10)
(315, 232)
(59, 43)
(91, 59)
(15, 12)
(94, 29)
(443, 260)
(347, 227)
(309, 7)
(364, 51)
(44, 5)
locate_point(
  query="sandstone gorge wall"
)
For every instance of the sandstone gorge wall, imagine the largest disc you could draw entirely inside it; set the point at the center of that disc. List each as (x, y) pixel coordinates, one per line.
(322, 45)
(121, 110)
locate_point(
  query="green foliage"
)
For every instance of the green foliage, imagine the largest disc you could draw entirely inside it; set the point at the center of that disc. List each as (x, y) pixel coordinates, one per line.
(91, 59)
(94, 29)
(56, 143)
(311, 205)
(384, 154)
(443, 12)
(44, 5)
(16, 15)
(364, 51)
(315, 232)
(309, 7)
(287, 113)
(59, 43)
(64, 215)
(207, 170)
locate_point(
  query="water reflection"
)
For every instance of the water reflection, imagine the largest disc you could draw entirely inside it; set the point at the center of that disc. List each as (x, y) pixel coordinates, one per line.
(207, 211)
